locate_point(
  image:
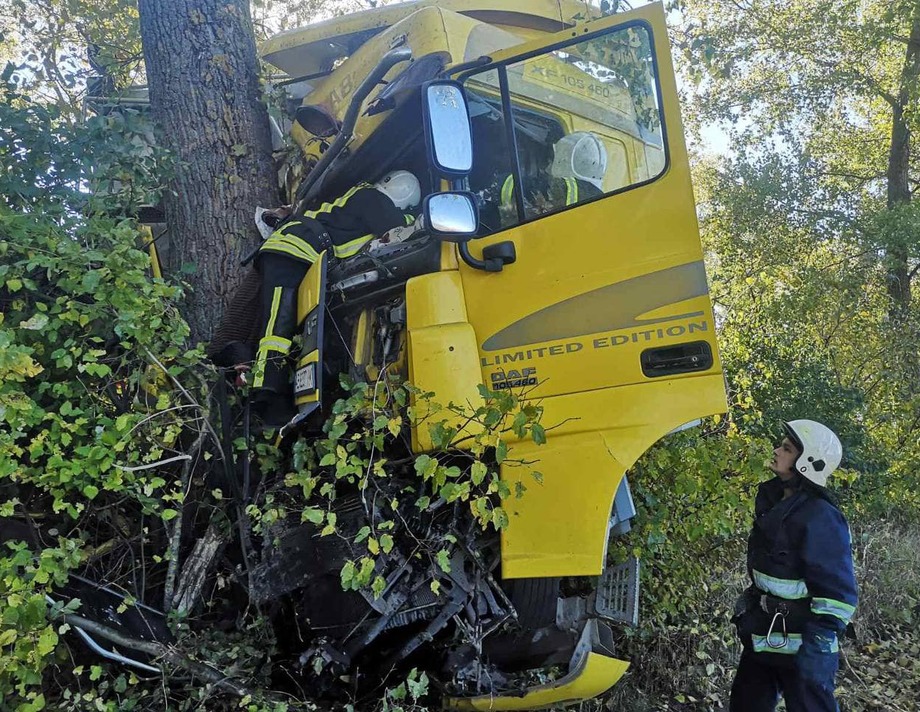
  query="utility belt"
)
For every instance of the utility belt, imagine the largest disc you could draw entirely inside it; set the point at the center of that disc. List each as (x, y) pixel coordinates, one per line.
(771, 619)
(786, 616)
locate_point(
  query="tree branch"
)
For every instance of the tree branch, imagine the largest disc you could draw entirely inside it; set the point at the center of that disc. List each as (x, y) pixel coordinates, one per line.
(156, 650)
(176, 538)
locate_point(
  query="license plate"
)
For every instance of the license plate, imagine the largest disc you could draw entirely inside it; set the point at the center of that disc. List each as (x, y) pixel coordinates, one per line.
(305, 379)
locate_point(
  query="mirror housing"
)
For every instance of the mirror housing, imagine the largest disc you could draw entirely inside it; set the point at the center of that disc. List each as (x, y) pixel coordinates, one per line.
(448, 133)
(451, 217)
(317, 121)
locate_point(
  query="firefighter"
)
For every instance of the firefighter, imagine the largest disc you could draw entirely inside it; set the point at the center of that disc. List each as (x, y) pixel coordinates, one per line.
(342, 228)
(575, 175)
(804, 591)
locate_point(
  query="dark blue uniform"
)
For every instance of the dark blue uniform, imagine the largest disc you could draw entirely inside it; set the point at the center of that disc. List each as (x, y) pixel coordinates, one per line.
(343, 227)
(803, 595)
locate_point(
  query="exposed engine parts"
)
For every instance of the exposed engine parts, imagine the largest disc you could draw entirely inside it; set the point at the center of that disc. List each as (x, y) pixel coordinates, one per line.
(440, 594)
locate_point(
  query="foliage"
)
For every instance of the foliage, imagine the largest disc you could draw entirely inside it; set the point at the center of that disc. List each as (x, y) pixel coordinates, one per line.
(469, 444)
(694, 493)
(84, 332)
(271, 16)
(62, 50)
(412, 690)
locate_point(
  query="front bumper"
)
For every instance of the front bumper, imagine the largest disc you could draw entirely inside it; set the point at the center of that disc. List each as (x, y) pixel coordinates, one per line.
(592, 671)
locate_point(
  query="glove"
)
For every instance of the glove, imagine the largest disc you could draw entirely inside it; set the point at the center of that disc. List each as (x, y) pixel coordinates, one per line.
(747, 601)
(817, 659)
(268, 220)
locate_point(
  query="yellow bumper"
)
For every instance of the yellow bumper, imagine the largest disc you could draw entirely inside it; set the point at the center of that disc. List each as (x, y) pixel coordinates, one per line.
(591, 673)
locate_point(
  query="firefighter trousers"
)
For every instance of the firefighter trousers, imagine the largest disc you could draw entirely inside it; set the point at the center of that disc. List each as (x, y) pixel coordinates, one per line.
(758, 686)
(281, 278)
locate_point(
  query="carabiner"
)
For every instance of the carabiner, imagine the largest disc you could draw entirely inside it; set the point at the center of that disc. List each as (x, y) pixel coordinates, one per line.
(778, 614)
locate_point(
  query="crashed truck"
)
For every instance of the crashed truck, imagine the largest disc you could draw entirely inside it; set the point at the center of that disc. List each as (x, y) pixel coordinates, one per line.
(597, 307)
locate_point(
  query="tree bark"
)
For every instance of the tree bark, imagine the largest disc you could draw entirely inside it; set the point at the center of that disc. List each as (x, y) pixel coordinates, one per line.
(898, 173)
(203, 76)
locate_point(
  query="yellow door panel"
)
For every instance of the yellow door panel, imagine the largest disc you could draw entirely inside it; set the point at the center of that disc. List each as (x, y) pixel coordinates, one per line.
(605, 314)
(559, 527)
(442, 350)
(599, 286)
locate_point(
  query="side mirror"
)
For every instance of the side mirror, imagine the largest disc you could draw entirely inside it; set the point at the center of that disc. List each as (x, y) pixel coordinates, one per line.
(447, 128)
(451, 217)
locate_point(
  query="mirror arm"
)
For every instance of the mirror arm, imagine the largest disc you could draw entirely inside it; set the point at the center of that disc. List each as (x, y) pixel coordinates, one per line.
(311, 185)
(490, 265)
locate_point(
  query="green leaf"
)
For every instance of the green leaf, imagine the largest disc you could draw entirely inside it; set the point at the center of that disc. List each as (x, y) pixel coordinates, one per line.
(538, 434)
(363, 533)
(90, 491)
(36, 322)
(499, 518)
(47, 641)
(443, 560)
(313, 515)
(426, 466)
(347, 575)
(168, 514)
(478, 472)
(417, 683)
(35, 705)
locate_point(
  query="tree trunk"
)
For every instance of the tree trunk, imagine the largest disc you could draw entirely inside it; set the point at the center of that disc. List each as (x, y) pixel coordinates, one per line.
(203, 75)
(899, 165)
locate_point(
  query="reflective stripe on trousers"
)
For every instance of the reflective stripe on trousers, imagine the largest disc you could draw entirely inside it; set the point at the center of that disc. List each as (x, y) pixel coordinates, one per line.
(270, 343)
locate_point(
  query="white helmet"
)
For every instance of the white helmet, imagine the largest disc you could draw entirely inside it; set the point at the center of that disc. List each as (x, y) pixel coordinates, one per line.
(820, 447)
(580, 155)
(402, 188)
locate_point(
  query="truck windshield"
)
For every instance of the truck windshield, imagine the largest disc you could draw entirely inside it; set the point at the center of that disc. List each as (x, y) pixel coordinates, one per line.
(566, 126)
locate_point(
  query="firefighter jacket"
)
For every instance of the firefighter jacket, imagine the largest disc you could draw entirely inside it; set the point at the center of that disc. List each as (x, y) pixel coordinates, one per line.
(347, 223)
(343, 226)
(801, 566)
(541, 195)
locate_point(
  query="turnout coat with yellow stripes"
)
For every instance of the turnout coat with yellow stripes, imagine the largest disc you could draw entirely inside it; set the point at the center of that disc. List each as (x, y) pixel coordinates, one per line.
(799, 555)
(351, 221)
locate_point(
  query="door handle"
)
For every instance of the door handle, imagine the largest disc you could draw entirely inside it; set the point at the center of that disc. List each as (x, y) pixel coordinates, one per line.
(680, 358)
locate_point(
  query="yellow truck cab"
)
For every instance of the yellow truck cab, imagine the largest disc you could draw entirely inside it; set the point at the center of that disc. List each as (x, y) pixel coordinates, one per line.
(562, 259)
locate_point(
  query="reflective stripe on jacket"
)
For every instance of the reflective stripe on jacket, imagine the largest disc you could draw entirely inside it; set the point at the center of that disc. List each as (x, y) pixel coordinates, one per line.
(351, 221)
(571, 191)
